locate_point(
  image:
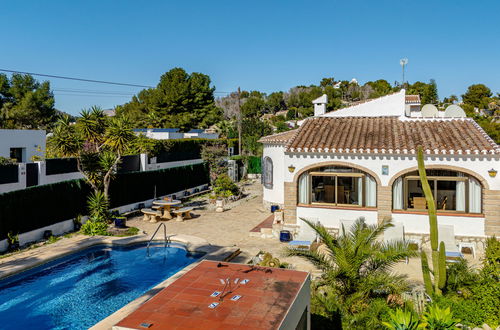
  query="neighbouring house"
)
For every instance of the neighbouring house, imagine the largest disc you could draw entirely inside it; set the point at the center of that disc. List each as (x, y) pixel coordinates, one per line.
(201, 134)
(173, 133)
(160, 133)
(361, 162)
(22, 144)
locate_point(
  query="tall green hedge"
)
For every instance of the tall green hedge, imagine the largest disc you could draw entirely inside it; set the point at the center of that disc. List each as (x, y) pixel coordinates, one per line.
(181, 149)
(36, 207)
(254, 165)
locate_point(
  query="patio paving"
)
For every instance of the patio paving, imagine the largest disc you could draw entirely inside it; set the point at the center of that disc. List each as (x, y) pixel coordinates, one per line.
(230, 228)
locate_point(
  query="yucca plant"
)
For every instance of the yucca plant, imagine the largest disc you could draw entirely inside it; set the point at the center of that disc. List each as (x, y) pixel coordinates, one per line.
(98, 206)
(356, 266)
(436, 318)
(402, 320)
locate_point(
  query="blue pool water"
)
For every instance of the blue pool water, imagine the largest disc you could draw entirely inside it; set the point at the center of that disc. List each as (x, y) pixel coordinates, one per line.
(80, 290)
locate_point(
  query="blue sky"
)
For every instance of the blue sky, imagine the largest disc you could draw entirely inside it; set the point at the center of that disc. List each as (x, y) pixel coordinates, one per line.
(258, 45)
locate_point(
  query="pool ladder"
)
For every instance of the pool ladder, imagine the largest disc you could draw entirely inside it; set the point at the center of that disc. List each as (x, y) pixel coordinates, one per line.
(156, 231)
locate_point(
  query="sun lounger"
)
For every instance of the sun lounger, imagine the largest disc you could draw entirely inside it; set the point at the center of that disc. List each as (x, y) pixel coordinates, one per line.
(395, 233)
(305, 237)
(446, 234)
(345, 226)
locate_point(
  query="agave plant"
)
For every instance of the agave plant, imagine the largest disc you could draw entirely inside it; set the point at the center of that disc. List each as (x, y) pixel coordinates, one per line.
(436, 318)
(356, 266)
(402, 320)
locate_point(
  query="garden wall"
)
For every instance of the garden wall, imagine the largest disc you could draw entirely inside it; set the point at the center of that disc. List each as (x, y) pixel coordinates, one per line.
(25, 210)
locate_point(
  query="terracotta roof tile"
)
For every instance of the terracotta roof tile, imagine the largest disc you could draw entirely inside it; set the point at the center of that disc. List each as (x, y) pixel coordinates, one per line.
(412, 99)
(278, 138)
(387, 135)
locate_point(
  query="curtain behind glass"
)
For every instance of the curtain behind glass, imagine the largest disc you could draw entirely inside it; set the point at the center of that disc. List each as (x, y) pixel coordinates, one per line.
(397, 194)
(474, 196)
(304, 189)
(371, 191)
(460, 194)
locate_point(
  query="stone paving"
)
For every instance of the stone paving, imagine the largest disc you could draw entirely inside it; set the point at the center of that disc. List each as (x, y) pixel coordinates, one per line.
(229, 228)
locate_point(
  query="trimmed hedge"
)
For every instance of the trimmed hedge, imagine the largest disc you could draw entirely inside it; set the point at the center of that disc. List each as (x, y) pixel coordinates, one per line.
(36, 207)
(254, 165)
(184, 149)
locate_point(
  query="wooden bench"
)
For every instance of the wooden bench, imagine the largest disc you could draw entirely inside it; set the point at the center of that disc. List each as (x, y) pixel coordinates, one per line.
(150, 215)
(183, 213)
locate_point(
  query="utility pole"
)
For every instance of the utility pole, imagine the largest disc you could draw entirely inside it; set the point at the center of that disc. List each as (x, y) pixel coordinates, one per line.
(239, 122)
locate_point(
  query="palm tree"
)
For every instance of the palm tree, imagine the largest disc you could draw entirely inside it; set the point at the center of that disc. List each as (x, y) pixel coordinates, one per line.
(97, 143)
(356, 267)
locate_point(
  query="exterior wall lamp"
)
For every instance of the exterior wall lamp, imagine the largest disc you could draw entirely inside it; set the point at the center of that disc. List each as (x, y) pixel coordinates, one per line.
(492, 173)
(291, 168)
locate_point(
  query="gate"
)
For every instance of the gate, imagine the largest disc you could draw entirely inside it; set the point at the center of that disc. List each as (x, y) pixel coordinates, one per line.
(31, 174)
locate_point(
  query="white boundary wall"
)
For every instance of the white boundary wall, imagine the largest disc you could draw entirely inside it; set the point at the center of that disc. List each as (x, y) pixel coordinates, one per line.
(54, 178)
(67, 225)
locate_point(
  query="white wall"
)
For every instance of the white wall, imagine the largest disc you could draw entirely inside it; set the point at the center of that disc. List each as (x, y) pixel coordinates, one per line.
(160, 166)
(281, 161)
(276, 195)
(419, 224)
(466, 226)
(31, 140)
(390, 105)
(331, 217)
(48, 179)
(68, 226)
(480, 164)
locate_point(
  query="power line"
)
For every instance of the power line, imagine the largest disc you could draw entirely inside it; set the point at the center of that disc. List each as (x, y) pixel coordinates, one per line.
(84, 91)
(78, 79)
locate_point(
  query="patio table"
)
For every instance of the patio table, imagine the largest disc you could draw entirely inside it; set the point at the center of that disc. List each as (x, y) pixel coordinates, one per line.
(166, 206)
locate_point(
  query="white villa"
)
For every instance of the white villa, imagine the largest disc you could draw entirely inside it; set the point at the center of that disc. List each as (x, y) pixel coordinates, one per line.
(361, 161)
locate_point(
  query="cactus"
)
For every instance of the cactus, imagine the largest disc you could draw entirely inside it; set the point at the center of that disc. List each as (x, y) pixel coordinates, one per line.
(442, 266)
(426, 273)
(431, 209)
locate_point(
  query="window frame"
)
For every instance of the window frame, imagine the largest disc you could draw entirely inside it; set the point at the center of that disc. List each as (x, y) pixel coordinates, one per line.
(267, 172)
(435, 178)
(358, 175)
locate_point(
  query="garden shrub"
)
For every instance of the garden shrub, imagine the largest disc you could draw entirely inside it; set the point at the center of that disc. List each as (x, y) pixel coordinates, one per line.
(95, 227)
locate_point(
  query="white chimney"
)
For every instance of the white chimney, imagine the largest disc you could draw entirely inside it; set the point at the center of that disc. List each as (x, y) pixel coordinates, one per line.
(320, 105)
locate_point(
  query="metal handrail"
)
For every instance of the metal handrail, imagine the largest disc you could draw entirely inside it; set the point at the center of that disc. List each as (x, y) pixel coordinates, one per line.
(156, 231)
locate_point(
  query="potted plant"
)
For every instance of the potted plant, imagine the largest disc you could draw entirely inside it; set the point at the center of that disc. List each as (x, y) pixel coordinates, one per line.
(120, 222)
(13, 240)
(77, 222)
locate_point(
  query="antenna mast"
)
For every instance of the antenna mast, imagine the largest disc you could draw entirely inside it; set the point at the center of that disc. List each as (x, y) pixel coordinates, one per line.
(403, 62)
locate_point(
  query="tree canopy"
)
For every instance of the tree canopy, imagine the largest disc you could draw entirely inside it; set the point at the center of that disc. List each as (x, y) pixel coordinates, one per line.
(25, 103)
(180, 100)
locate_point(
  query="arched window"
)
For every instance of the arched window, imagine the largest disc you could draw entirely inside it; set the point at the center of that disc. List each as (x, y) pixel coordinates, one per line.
(453, 191)
(336, 185)
(267, 172)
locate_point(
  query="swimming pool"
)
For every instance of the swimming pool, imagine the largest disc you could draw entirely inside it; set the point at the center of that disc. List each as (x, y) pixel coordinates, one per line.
(79, 290)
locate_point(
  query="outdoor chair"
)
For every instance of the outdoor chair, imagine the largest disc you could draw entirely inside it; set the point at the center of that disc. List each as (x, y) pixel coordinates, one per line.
(395, 233)
(305, 237)
(345, 226)
(446, 234)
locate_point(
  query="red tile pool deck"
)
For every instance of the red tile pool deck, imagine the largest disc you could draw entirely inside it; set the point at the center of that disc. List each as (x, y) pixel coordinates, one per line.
(264, 303)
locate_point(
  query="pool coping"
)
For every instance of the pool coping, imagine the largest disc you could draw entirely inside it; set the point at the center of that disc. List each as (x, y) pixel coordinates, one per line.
(24, 261)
